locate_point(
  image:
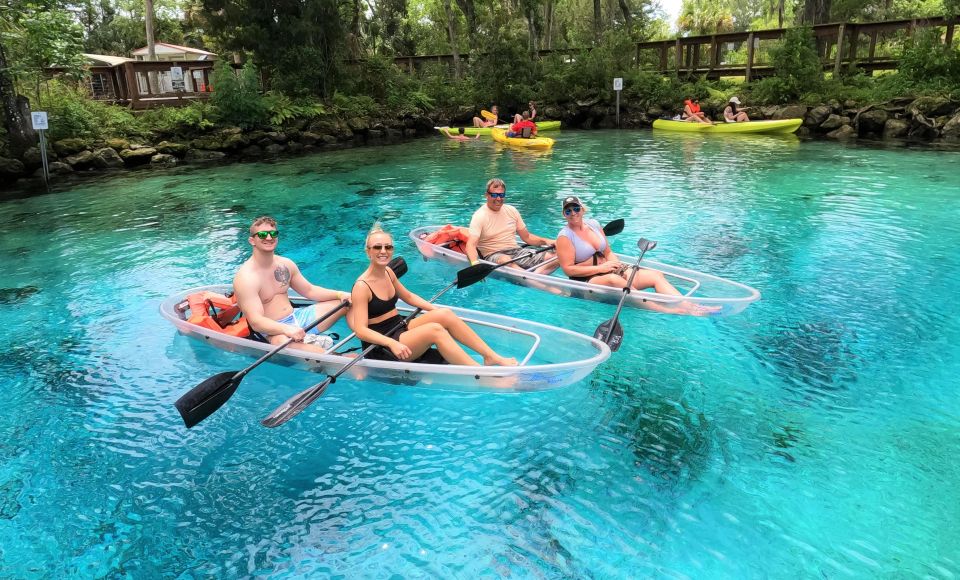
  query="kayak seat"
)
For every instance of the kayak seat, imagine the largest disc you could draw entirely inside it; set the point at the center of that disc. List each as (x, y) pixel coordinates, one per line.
(526, 133)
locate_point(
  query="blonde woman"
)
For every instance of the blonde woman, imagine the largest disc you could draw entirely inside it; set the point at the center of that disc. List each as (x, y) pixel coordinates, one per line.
(375, 319)
(585, 255)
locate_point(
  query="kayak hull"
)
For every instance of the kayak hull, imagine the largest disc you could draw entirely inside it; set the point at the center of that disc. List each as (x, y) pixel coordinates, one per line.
(471, 131)
(555, 357)
(698, 287)
(500, 136)
(778, 126)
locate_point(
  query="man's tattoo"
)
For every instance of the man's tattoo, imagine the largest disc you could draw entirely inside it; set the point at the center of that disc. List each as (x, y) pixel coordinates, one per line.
(282, 274)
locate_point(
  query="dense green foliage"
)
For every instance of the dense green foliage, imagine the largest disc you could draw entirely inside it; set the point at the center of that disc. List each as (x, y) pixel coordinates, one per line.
(237, 96)
(314, 59)
(798, 69)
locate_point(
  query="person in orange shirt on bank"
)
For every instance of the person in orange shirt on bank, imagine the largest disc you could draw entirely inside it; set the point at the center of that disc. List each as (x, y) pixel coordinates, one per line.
(516, 130)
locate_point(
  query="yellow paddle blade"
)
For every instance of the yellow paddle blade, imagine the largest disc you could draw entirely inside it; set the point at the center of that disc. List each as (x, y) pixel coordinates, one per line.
(488, 115)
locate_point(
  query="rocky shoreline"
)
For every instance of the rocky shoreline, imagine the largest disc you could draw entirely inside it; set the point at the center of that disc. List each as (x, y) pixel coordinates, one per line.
(923, 120)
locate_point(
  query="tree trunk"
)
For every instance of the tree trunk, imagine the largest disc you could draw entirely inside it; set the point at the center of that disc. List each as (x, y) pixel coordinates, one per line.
(815, 12)
(597, 24)
(548, 25)
(470, 13)
(533, 44)
(452, 35)
(16, 112)
(627, 15)
(151, 45)
(781, 8)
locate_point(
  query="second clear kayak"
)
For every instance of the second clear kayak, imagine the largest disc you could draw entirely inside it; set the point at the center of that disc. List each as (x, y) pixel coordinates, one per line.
(709, 294)
(778, 126)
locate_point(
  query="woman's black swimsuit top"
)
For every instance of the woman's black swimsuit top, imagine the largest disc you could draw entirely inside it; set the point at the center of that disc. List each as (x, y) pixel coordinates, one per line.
(378, 307)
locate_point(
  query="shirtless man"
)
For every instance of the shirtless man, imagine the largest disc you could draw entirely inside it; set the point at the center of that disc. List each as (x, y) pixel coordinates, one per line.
(261, 285)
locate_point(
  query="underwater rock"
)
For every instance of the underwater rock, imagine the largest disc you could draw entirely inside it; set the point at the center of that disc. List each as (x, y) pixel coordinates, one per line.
(16, 295)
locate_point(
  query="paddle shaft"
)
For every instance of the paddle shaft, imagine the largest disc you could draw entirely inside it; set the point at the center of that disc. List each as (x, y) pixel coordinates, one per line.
(626, 291)
(287, 342)
(302, 400)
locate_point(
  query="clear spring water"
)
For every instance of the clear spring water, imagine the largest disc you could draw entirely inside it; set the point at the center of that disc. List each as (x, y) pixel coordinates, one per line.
(814, 435)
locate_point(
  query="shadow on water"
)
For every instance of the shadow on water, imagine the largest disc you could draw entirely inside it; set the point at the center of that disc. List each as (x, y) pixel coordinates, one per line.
(17, 295)
(815, 359)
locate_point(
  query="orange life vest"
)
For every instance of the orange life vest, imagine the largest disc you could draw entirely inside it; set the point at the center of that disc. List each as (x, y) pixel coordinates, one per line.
(450, 236)
(694, 107)
(217, 312)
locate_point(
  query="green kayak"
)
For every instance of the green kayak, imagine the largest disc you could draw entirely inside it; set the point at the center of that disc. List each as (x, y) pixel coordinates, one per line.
(471, 131)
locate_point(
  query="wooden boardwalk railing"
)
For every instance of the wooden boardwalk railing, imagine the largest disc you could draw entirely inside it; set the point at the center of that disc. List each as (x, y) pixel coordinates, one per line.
(867, 46)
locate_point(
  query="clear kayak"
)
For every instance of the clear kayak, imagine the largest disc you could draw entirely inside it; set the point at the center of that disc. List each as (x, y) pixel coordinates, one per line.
(471, 131)
(697, 288)
(550, 357)
(775, 126)
(500, 136)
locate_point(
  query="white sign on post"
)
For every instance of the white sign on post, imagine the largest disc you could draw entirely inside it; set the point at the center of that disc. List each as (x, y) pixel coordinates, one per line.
(618, 84)
(39, 119)
(176, 73)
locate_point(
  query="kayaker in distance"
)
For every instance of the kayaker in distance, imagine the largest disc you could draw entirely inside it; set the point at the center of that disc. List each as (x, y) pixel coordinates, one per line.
(261, 285)
(692, 112)
(493, 231)
(516, 130)
(532, 110)
(459, 136)
(376, 320)
(733, 115)
(585, 256)
(481, 122)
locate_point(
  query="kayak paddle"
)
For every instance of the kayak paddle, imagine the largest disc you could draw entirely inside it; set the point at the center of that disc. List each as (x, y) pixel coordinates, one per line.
(610, 331)
(297, 403)
(475, 273)
(204, 399)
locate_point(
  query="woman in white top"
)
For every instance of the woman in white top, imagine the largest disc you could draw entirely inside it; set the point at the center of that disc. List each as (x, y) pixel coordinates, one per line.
(733, 115)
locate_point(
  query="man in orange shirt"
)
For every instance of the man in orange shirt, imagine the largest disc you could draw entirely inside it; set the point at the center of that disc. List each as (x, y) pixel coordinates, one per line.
(516, 130)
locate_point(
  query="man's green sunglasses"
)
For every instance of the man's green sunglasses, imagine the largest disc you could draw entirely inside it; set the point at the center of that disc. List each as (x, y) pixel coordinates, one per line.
(272, 233)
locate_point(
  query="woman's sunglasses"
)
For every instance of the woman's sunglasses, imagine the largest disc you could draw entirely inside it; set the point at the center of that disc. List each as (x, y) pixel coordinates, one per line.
(381, 247)
(496, 195)
(272, 233)
(571, 209)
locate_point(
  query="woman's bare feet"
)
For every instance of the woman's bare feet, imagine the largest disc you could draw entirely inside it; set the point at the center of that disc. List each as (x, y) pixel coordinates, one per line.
(499, 361)
(699, 309)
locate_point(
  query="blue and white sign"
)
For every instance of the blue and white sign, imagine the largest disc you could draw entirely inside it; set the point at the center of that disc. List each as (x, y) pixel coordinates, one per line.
(39, 119)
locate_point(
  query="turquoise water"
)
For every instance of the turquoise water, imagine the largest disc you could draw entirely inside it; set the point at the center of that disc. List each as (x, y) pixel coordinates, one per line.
(815, 434)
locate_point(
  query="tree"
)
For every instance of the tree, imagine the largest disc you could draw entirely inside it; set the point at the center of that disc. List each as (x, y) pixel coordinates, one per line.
(814, 12)
(16, 111)
(33, 36)
(297, 43)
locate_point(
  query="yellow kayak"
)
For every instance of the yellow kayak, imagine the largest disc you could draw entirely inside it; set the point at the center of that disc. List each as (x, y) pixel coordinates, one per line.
(500, 136)
(471, 131)
(777, 126)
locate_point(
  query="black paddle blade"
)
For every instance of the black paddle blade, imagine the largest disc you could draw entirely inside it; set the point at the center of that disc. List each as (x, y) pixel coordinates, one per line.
(295, 405)
(614, 338)
(399, 266)
(645, 244)
(201, 401)
(473, 274)
(613, 228)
